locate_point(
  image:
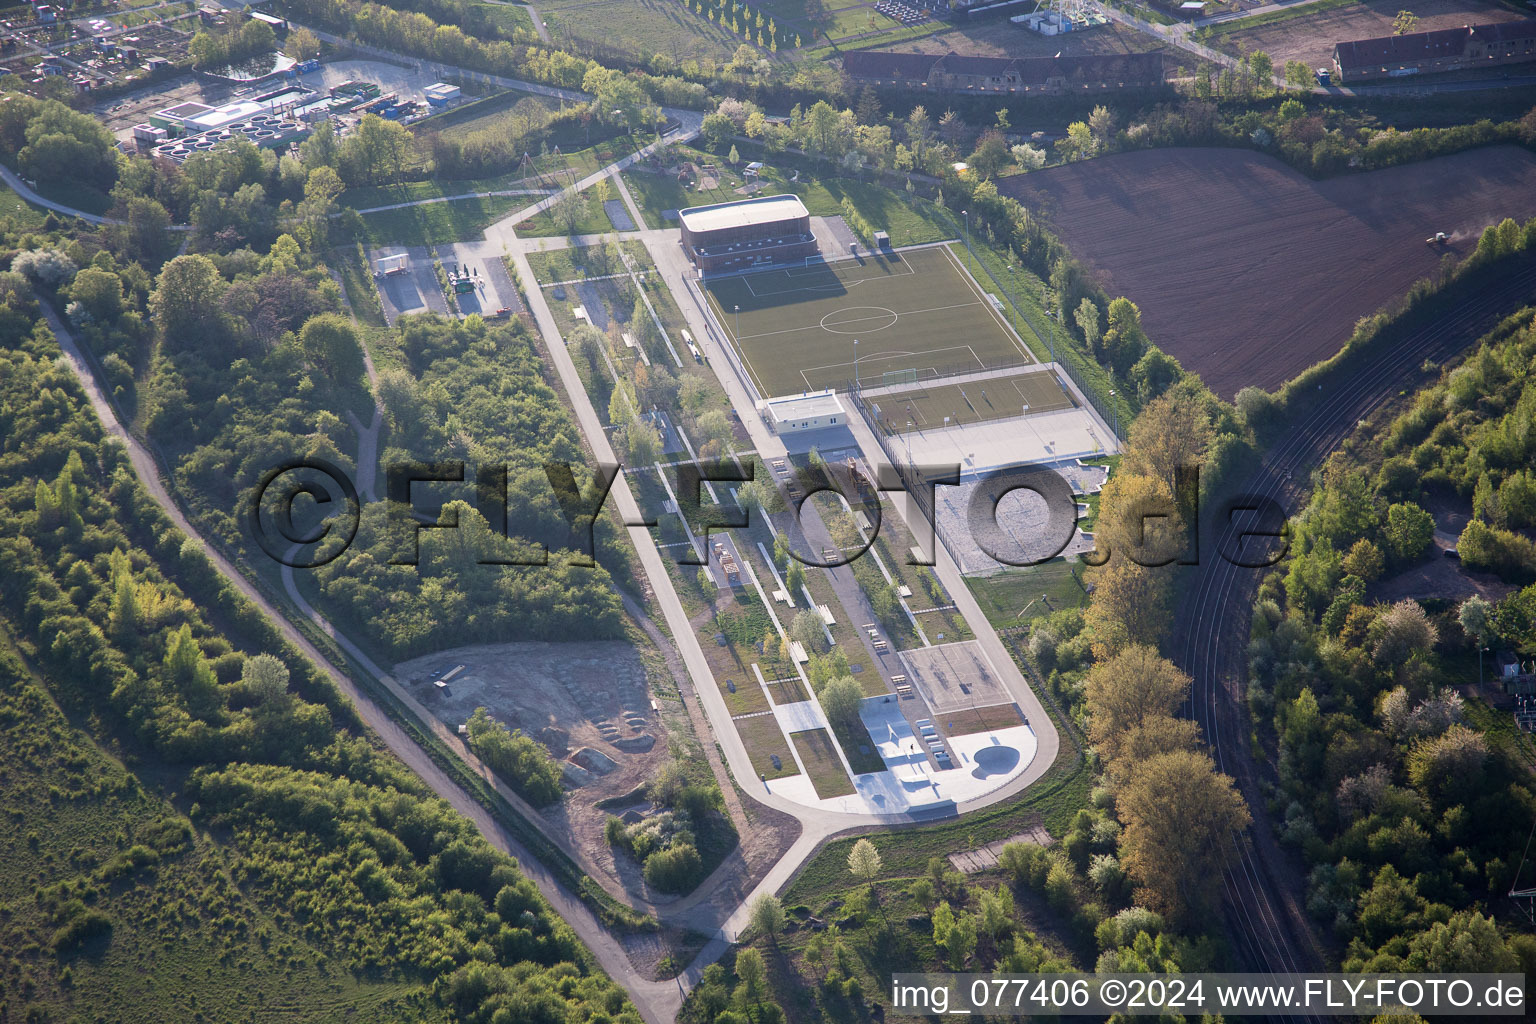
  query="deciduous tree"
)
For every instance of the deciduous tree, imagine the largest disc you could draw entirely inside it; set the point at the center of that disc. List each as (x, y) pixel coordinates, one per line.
(1126, 691)
(766, 918)
(864, 861)
(1182, 819)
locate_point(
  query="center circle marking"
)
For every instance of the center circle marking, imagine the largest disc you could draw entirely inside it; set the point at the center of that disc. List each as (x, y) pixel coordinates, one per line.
(859, 320)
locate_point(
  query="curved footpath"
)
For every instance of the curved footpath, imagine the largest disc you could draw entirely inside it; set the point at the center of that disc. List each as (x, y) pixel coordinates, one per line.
(1266, 890)
(658, 1001)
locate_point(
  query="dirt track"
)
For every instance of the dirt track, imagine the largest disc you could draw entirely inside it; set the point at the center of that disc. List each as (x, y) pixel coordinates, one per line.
(1248, 272)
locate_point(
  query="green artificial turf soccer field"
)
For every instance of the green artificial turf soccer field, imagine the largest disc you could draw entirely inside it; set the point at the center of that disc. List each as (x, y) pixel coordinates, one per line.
(996, 398)
(910, 311)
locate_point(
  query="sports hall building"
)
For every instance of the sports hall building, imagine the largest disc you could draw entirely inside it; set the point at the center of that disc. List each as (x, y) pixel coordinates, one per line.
(750, 233)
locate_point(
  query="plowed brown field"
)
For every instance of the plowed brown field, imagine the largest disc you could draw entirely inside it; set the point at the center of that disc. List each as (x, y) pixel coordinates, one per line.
(1246, 271)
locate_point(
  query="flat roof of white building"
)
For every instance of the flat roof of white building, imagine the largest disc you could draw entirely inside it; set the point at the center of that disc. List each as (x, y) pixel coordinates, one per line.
(228, 114)
(183, 111)
(746, 213)
(803, 407)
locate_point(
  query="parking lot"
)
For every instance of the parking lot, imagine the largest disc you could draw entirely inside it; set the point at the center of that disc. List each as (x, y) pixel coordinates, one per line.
(493, 285)
(415, 290)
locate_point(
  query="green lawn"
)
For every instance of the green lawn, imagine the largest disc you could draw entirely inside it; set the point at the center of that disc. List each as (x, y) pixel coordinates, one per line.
(508, 18)
(462, 220)
(466, 219)
(822, 763)
(1029, 291)
(795, 327)
(17, 214)
(1004, 596)
(591, 219)
(640, 27)
(362, 294)
(568, 264)
(822, 21)
(80, 197)
(860, 750)
(763, 739)
(1059, 794)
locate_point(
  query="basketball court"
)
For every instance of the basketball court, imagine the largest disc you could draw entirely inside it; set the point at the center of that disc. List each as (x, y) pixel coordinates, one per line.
(907, 315)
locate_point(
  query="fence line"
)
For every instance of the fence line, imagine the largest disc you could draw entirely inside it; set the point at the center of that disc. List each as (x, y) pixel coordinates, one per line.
(933, 374)
(1067, 357)
(726, 342)
(917, 489)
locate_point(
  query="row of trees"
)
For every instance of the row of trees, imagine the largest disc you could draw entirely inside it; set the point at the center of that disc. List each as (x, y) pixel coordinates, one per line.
(1179, 815)
(481, 44)
(746, 22)
(247, 37)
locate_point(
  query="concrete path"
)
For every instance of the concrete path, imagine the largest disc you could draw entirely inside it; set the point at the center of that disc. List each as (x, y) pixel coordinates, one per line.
(26, 192)
(657, 1001)
(502, 232)
(629, 201)
(538, 19)
(451, 199)
(676, 271)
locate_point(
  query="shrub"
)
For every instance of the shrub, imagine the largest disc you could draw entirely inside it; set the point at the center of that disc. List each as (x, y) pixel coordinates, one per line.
(520, 761)
(675, 869)
(80, 929)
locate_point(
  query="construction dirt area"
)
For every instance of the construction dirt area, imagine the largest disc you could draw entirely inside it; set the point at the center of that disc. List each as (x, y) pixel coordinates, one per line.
(1309, 37)
(1246, 271)
(588, 703)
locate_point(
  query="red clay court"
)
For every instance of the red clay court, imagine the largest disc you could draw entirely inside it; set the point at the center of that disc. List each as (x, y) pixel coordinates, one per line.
(1248, 272)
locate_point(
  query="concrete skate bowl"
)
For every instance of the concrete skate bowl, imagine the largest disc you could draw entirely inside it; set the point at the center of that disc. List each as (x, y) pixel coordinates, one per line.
(994, 760)
(1248, 272)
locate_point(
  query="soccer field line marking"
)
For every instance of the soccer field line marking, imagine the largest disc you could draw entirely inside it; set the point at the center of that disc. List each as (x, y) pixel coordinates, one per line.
(817, 326)
(895, 355)
(734, 342)
(907, 270)
(998, 317)
(920, 400)
(805, 373)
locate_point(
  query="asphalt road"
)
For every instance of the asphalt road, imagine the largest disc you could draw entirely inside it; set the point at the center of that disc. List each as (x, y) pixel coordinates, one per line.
(1265, 892)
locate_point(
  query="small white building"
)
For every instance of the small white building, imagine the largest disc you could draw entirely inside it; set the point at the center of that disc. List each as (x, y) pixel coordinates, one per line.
(814, 410)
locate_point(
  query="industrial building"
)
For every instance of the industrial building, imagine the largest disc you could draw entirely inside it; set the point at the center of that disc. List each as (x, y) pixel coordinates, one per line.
(814, 410)
(750, 233)
(1051, 76)
(1447, 49)
(202, 133)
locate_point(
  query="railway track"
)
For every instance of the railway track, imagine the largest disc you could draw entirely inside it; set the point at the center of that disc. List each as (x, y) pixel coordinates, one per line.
(1264, 890)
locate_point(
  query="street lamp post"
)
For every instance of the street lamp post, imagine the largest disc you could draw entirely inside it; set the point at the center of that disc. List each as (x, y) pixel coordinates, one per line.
(855, 364)
(738, 323)
(1032, 430)
(967, 215)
